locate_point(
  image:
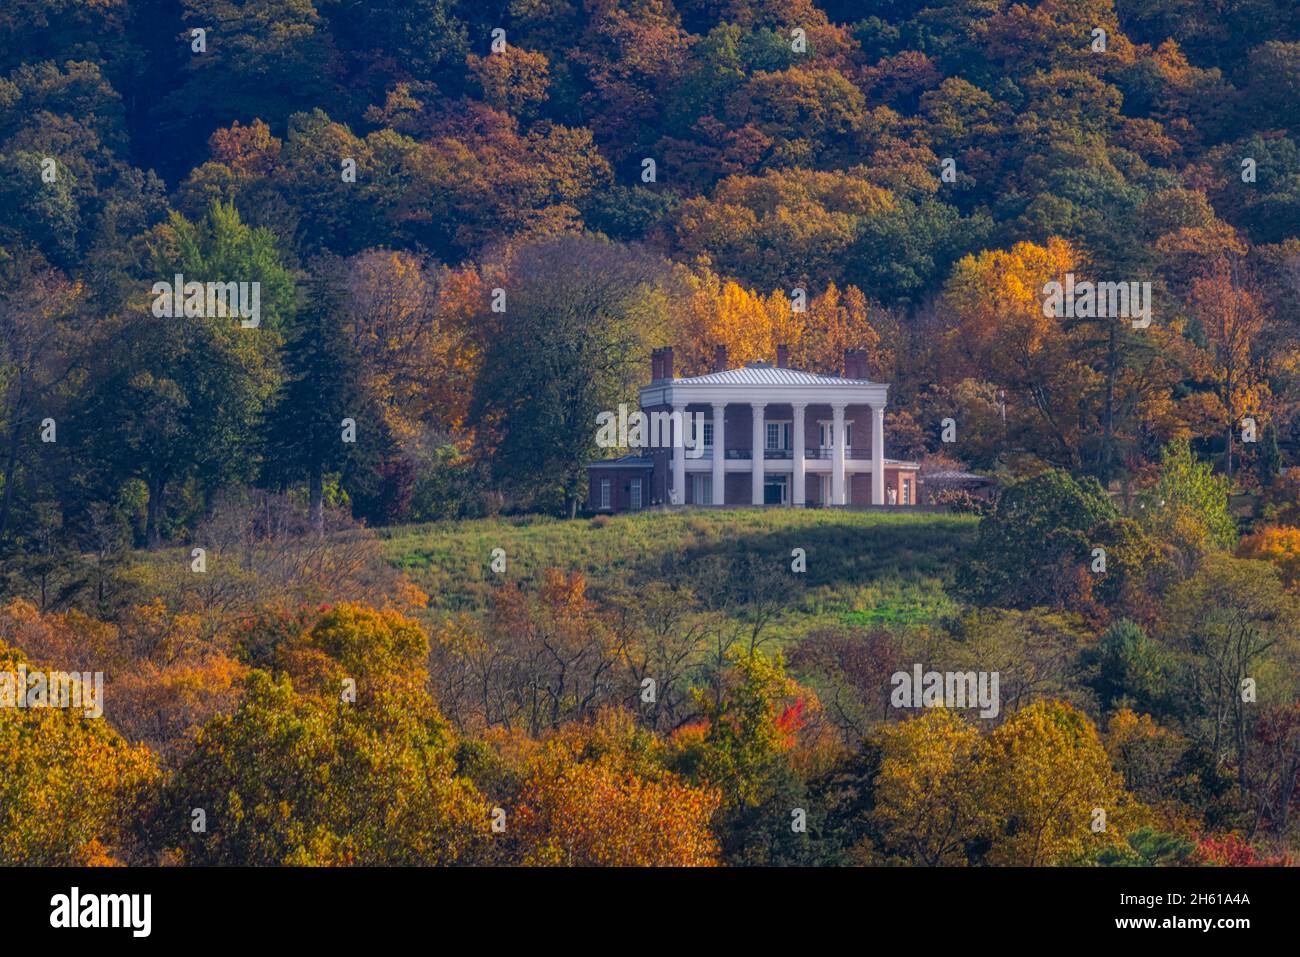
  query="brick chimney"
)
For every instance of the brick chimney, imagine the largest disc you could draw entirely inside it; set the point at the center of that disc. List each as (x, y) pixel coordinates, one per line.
(719, 358)
(783, 357)
(855, 364)
(666, 362)
(654, 365)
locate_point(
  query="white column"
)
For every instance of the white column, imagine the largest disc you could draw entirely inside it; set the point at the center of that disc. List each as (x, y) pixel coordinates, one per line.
(837, 464)
(756, 455)
(798, 439)
(679, 455)
(719, 453)
(877, 455)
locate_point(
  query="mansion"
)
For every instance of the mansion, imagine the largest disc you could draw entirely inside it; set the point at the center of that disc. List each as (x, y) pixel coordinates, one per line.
(772, 435)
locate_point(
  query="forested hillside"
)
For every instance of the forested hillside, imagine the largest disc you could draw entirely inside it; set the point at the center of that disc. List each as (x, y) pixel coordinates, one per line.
(453, 233)
(918, 170)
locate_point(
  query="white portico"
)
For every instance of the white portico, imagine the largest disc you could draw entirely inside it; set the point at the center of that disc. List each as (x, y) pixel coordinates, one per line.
(799, 437)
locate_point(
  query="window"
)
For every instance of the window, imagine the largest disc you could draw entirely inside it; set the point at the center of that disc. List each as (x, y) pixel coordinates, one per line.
(708, 435)
(778, 436)
(702, 489)
(604, 493)
(826, 430)
(636, 493)
(907, 491)
(828, 487)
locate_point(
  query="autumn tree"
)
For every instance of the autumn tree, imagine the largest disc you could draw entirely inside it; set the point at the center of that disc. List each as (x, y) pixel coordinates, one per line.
(1043, 776)
(315, 769)
(595, 796)
(1001, 333)
(576, 321)
(1277, 545)
(414, 351)
(1231, 314)
(794, 226)
(925, 808)
(536, 660)
(71, 788)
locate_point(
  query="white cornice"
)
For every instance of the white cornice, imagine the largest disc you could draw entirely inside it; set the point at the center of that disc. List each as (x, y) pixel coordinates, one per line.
(668, 393)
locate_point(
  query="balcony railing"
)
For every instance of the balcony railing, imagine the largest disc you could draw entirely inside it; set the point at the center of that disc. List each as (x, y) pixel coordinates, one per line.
(771, 454)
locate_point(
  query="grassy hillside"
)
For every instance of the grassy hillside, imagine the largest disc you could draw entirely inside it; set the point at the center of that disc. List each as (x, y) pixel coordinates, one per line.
(861, 566)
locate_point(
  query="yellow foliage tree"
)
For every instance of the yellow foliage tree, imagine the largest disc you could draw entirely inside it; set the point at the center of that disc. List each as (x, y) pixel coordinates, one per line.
(1054, 369)
(925, 808)
(751, 325)
(70, 786)
(1043, 778)
(995, 300)
(359, 772)
(1148, 757)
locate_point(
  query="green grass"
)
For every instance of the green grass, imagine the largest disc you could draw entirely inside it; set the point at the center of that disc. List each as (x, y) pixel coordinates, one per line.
(864, 568)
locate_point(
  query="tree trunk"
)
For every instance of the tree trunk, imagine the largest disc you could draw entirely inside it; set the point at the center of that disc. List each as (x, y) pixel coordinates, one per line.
(1108, 437)
(153, 513)
(316, 499)
(11, 466)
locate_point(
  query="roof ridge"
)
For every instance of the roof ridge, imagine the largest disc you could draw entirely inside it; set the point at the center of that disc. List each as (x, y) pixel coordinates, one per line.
(762, 373)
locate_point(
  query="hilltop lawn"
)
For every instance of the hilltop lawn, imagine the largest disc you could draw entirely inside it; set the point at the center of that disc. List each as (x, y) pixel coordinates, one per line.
(863, 567)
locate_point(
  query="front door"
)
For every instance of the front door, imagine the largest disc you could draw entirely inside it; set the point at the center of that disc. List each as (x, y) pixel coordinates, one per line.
(776, 489)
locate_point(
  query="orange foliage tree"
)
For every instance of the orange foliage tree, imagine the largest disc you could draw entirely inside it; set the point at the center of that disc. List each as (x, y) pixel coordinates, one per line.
(594, 797)
(1280, 546)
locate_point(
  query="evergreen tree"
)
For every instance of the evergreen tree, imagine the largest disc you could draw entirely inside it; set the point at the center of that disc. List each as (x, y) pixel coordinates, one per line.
(304, 435)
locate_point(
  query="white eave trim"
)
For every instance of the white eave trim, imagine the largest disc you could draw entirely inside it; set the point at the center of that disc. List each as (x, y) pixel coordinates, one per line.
(666, 393)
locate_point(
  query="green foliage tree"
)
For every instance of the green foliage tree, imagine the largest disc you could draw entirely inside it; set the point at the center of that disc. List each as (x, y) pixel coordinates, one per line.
(744, 752)
(578, 314)
(1187, 505)
(1133, 670)
(303, 432)
(1035, 547)
(179, 398)
(1237, 624)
